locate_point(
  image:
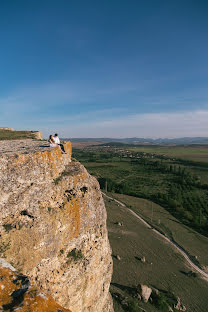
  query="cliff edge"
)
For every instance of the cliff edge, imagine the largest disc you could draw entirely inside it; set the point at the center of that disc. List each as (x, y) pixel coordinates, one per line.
(53, 225)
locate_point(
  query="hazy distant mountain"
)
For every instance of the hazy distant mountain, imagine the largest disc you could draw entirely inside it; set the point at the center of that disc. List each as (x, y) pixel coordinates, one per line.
(186, 140)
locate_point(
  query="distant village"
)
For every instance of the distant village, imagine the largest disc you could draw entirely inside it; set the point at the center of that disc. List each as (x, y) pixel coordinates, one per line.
(125, 153)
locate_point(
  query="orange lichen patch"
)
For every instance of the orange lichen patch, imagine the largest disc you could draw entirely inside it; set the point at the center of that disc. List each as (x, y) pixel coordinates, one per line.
(6, 286)
(37, 302)
(73, 211)
(19, 160)
(85, 206)
(51, 160)
(16, 294)
(80, 177)
(68, 147)
(51, 157)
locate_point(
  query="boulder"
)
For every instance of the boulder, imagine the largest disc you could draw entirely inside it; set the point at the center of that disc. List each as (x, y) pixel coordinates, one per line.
(144, 291)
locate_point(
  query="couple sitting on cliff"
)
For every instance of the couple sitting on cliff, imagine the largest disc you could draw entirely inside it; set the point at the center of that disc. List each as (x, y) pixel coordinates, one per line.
(54, 141)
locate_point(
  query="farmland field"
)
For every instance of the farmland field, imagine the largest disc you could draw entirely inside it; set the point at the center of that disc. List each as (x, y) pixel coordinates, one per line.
(164, 268)
(177, 184)
(194, 152)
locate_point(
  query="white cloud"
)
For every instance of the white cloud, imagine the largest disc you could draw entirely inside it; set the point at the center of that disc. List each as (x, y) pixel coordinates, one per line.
(154, 125)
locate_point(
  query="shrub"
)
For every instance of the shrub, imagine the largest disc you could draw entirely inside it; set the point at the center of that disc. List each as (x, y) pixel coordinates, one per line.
(75, 255)
(133, 306)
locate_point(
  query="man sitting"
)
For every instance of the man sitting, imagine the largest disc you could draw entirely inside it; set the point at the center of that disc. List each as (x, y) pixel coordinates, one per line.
(57, 141)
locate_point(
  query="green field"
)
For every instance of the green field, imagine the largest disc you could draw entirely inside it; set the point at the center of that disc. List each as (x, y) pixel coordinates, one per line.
(194, 152)
(179, 185)
(164, 269)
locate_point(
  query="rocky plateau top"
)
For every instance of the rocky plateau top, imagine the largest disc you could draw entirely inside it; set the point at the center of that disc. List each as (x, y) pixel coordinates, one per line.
(27, 146)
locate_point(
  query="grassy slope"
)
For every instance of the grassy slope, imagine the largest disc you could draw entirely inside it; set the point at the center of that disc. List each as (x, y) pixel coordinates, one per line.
(193, 242)
(135, 240)
(13, 135)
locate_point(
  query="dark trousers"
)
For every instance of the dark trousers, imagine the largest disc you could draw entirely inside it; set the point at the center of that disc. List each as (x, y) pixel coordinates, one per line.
(62, 148)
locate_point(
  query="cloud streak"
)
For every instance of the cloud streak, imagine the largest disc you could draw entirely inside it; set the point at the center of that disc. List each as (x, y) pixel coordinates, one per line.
(171, 125)
(78, 110)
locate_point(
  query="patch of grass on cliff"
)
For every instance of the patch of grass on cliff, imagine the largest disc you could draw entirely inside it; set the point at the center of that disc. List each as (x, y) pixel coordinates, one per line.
(8, 227)
(4, 246)
(15, 135)
(59, 178)
(75, 255)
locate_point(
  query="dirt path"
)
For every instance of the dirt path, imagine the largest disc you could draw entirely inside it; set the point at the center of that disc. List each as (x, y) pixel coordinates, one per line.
(175, 245)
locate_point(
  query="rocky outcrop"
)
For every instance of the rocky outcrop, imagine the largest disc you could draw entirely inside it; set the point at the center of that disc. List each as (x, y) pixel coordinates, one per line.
(53, 226)
(37, 135)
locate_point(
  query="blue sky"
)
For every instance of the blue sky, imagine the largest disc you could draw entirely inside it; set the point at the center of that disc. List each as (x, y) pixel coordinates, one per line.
(105, 68)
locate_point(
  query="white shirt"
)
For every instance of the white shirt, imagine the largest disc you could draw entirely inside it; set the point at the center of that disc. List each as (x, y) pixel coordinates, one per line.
(56, 139)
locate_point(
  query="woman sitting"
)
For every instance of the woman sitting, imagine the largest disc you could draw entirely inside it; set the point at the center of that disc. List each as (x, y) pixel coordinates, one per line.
(52, 142)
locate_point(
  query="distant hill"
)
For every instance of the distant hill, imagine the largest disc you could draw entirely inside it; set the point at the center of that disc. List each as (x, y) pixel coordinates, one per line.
(136, 141)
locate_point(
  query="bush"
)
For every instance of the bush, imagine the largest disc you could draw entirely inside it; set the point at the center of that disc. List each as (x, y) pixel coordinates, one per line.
(75, 255)
(133, 306)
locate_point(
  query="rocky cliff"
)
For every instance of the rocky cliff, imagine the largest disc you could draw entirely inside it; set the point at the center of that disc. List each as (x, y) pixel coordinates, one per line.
(53, 225)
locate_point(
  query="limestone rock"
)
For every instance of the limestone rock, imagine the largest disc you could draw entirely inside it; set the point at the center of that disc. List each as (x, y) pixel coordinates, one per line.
(37, 135)
(53, 225)
(144, 291)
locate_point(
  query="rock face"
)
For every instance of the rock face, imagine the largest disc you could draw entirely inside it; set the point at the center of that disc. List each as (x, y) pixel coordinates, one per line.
(53, 226)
